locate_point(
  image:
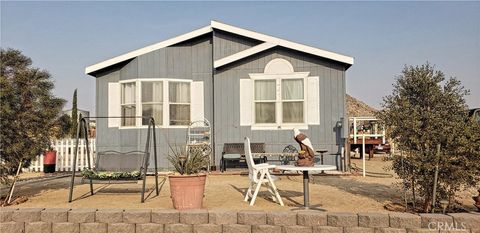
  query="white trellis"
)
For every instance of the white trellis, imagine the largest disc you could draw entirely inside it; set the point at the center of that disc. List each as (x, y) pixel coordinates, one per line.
(65, 150)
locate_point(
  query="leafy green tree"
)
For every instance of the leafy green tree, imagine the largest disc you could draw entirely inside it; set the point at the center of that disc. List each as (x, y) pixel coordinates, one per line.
(28, 110)
(73, 129)
(425, 110)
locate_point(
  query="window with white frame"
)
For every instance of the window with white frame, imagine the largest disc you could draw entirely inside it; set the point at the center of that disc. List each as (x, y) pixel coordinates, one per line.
(128, 103)
(279, 101)
(292, 101)
(152, 101)
(279, 98)
(179, 103)
(160, 99)
(265, 101)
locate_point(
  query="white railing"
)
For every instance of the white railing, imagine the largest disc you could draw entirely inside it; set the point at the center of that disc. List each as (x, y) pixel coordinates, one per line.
(65, 153)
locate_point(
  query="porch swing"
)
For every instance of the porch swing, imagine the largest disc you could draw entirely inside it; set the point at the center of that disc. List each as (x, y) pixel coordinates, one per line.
(121, 166)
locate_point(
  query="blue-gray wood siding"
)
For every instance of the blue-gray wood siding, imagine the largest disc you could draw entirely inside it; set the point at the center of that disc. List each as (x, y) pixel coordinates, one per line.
(227, 44)
(227, 103)
(188, 60)
(194, 60)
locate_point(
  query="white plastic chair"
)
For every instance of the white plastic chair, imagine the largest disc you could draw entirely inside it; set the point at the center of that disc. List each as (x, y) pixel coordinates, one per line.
(259, 175)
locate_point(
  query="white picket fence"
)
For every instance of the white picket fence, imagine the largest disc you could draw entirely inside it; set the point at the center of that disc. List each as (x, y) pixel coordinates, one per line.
(65, 153)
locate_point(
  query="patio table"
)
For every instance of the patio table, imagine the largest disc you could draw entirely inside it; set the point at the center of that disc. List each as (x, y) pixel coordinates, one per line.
(271, 154)
(306, 179)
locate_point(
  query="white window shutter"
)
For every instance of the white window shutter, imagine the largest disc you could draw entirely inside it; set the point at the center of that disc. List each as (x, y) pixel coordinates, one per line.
(114, 108)
(313, 101)
(246, 102)
(197, 112)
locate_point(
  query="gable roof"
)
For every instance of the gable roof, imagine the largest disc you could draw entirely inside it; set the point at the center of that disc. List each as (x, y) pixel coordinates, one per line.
(269, 42)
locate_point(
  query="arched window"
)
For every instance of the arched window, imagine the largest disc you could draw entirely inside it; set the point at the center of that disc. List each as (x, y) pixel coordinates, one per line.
(279, 94)
(278, 66)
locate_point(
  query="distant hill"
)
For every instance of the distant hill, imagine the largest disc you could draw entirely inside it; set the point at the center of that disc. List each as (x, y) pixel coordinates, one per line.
(357, 108)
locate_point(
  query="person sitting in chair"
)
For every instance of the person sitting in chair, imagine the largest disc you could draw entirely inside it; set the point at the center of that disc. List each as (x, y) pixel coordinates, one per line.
(306, 156)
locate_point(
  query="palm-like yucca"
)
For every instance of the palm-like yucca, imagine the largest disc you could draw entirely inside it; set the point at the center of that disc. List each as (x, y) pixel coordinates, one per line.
(188, 162)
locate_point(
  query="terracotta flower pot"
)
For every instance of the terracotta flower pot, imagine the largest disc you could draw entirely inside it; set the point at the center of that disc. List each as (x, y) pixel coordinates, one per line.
(187, 191)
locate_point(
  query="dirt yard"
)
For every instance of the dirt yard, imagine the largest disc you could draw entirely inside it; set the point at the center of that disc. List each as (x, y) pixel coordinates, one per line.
(329, 193)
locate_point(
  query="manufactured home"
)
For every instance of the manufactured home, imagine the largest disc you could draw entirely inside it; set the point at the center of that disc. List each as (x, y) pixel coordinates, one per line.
(243, 82)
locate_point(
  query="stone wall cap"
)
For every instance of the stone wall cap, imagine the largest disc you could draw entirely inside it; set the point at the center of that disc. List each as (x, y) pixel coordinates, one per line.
(433, 215)
(110, 210)
(373, 213)
(7, 209)
(194, 211)
(83, 210)
(28, 209)
(56, 210)
(165, 211)
(341, 213)
(403, 214)
(138, 210)
(252, 211)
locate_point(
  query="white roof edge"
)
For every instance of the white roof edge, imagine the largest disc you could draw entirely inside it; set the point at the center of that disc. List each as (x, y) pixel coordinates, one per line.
(270, 41)
(147, 49)
(282, 42)
(242, 54)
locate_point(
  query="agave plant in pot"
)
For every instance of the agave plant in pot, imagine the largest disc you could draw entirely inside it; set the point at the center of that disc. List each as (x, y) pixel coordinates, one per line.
(187, 185)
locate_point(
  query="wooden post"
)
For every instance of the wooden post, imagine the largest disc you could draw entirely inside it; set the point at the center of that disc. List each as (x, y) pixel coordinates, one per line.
(363, 156)
(10, 193)
(57, 167)
(347, 157)
(383, 133)
(354, 130)
(435, 179)
(81, 165)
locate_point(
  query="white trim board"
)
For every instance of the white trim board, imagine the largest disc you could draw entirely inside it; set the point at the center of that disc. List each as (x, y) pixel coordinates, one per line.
(150, 48)
(269, 42)
(283, 43)
(243, 54)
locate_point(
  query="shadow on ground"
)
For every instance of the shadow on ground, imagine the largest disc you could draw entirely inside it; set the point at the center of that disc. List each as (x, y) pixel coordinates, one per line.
(287, 196)
(37, 187)
(375, 191)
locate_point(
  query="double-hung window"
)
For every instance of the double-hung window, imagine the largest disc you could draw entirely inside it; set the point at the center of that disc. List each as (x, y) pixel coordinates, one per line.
(179, 103)
(279, 101)
(152, 101)
(265, 101)
(128, 104)
(292, 100)
(167, 101)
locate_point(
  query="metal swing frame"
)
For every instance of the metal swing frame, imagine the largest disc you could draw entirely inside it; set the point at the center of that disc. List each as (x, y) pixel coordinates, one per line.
(151, 136)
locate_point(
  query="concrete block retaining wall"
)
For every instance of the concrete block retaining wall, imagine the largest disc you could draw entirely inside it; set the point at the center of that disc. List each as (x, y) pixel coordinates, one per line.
(37, 220)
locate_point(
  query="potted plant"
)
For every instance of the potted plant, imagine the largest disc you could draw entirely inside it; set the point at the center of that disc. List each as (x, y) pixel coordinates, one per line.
(187, 185)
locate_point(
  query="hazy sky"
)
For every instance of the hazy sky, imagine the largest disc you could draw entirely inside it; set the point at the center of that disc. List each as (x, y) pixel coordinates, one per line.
(65, 37)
